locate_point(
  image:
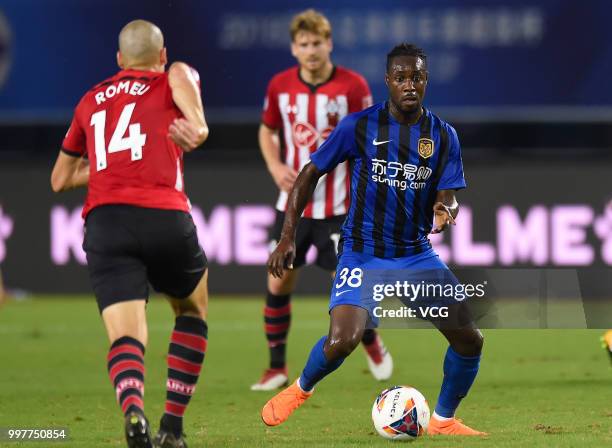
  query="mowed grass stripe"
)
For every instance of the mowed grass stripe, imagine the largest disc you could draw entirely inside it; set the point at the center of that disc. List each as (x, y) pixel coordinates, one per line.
(537, 388)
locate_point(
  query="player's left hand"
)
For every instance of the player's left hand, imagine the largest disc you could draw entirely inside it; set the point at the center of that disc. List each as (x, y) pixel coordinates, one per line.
(185, 134)
(442, 218)
(282, 258)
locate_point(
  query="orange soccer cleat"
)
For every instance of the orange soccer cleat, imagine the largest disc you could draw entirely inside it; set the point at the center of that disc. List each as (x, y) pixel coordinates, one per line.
(282, 405)
(451, 427)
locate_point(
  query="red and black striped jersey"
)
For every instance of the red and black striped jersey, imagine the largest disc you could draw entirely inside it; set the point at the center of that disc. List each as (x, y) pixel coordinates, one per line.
(307, 114)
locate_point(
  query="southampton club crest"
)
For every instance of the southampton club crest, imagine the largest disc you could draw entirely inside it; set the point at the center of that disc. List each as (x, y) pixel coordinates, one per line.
(426, 147)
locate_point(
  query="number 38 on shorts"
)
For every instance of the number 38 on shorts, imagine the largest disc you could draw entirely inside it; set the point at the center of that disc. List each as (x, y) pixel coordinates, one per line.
(347, 286)
(349, 277)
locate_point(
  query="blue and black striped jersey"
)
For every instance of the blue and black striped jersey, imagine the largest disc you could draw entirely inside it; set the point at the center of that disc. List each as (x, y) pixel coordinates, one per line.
(396, 171)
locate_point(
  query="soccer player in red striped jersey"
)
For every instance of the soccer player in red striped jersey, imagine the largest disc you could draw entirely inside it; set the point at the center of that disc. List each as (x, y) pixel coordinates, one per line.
(306, 102)
(134, 128)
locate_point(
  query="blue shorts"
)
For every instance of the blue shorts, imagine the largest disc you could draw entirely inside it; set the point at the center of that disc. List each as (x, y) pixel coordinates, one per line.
(360, 276)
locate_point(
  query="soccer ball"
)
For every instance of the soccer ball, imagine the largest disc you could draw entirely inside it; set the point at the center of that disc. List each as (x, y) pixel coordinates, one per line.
(400, 413)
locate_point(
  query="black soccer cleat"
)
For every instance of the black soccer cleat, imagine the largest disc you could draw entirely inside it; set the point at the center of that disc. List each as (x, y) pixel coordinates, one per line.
(137, 432)
(167, 439)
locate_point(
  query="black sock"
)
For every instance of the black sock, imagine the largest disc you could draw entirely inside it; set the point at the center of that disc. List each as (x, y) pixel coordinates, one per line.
(277, 318)
(368, 337)
(126, 369)
(185, 357)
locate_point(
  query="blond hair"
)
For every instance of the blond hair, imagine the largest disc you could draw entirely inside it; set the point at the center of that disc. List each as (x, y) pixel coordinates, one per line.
(310, 21)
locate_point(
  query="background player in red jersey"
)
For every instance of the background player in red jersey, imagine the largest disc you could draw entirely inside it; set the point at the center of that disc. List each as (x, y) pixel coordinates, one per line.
(133, 128)
(307, 101)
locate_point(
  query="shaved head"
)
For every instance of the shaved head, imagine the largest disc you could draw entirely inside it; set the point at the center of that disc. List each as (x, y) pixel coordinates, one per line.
(140, 44)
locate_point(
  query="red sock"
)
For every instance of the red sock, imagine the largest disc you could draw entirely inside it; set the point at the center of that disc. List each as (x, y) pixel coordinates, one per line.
(277, 319)
(375, 349)
(126, 369)
(185, 357)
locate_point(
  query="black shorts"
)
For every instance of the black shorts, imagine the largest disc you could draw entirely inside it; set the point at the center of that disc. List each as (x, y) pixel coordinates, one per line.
(127, 247)
(321, 233)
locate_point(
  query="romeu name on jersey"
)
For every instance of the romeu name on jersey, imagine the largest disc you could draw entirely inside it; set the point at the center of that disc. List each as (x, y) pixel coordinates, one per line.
(129, 87)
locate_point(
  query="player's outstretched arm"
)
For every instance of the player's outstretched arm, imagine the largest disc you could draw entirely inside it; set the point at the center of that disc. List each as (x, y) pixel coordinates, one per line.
(191, 131)
(69, 172)
(302, 190)
(446, 209)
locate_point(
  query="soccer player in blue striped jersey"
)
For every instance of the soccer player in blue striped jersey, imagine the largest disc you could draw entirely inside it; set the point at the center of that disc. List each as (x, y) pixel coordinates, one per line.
(406, 167)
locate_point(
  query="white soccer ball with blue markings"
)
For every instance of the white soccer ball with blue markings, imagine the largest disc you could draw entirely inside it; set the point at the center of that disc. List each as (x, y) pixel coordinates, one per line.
(400, 413)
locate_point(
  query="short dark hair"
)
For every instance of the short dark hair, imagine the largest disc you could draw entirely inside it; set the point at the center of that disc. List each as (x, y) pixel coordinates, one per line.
(405, 49)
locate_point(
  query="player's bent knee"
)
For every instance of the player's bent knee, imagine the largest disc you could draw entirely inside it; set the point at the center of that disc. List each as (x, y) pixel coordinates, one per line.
(278, 290)
(126, 319)
(183, 307)
(343, 344)
(470, 343)
(477, 340)
(190, 307)
(196, 304)
(283, 285)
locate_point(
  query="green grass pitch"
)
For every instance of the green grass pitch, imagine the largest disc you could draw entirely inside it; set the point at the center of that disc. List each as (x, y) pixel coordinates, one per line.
(536, 388)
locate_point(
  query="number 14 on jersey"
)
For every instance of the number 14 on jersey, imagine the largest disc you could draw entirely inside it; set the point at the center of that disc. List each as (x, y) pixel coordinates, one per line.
(134, 140)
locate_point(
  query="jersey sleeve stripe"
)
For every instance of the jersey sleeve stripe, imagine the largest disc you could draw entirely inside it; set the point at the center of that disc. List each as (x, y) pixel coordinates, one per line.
(270, 126)
(71, 153)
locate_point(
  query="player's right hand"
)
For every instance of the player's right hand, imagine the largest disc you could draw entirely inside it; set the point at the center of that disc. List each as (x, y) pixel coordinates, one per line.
(282, 258)
(185, 134)
(284, 176)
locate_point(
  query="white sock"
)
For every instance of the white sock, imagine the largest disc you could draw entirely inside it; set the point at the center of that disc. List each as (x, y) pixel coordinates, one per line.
(440, 418)
(300, 386)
